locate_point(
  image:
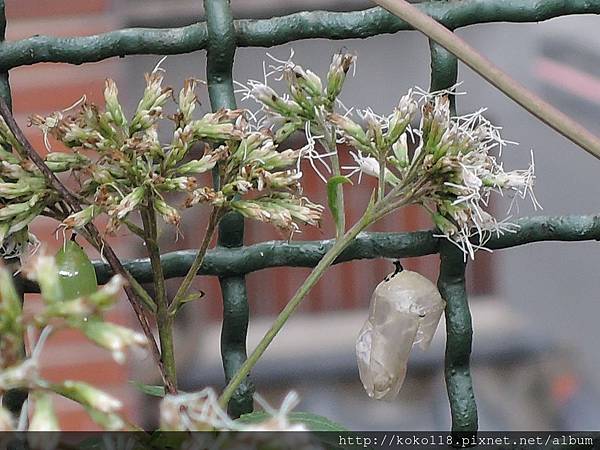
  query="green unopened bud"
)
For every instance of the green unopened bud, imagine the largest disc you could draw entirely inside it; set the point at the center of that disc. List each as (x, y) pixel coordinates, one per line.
(400, 119)
(61, 162)
(287, 129)
(178, 184)
(43, 419)
(444, 225)
(18, 376)
(88, 396)
(112, 337)
(150, 106)
(129, 202)
(167, 212)
(42, 268)
(187, 101)
(108, 421)
(351, 131)
(268, 97)
(340, 64)
(204, 129)
(305, 80)
(204, 164)
(400, 149)
(82, 218)
(107, 295)
(113, 107)
(23, 187)
(14, 171)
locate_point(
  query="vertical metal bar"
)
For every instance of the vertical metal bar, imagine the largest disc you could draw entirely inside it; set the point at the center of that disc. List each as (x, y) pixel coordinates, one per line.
(4, 85)
(459, 330)
(459, 337)
(220, 54)
(13, 399)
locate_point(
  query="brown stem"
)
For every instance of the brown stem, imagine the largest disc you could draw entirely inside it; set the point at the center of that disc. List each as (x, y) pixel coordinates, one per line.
(133, 288)
(213, 220)
(164, 320)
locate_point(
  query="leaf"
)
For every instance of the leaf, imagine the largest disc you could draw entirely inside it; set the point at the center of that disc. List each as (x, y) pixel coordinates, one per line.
(313, 422)
(332, 196)
(149, 389)
(76, 273)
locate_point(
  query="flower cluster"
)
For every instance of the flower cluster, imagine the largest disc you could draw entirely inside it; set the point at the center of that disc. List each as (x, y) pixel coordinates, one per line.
(451, 172)
(121, 166)
(84, 313)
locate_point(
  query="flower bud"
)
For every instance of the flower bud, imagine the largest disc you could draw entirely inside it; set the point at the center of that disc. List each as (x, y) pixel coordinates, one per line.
(18, 376)
(129, 202)
(43, 419)
(42, 268)
(340, 64)
(405, 310)
(61, 162)
(81, 218)
(88, 396)
(113, 107)
(112, 337)
(268, 97)
(167, 212)
(400, 149)
(352, 131)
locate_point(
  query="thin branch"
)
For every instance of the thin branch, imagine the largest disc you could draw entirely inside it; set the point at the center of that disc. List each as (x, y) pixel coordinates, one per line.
(513, 89)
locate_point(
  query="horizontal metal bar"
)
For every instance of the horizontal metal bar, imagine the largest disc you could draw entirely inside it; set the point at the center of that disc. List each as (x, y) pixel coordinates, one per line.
(279, 30)
(242, 260)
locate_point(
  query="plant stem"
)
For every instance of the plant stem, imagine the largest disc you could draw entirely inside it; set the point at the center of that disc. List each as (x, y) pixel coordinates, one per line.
(330, 144)
(513, 89)
(164, 320)
(284, 315)
(213, 220)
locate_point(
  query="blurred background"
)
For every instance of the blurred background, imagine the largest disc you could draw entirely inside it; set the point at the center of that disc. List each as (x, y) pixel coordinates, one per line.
(535, 308)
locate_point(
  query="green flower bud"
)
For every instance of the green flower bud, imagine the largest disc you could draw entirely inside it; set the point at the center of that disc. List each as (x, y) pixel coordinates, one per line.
(113, 107)
(88, 396)
(167, 212)
(340, 64)
(43, 419)
(82, 218)
(112, 337)
(129, 202)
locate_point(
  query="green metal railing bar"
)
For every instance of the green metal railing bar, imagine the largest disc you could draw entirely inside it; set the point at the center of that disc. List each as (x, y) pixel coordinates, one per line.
(223, 261)
(452, 286)
(459, 336)
(4, 85)
(219, 72)
(279, 30)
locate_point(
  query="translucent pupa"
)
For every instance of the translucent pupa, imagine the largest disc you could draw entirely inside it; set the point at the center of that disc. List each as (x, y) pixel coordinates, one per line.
(405, 310)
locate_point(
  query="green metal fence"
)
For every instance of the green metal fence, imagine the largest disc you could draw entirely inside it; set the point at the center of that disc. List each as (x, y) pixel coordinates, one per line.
(220, 35)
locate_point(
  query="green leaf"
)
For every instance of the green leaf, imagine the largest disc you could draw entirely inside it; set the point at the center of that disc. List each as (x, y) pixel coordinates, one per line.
(313, 422)
(76, 273)
(332, 196)
(149, 389)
